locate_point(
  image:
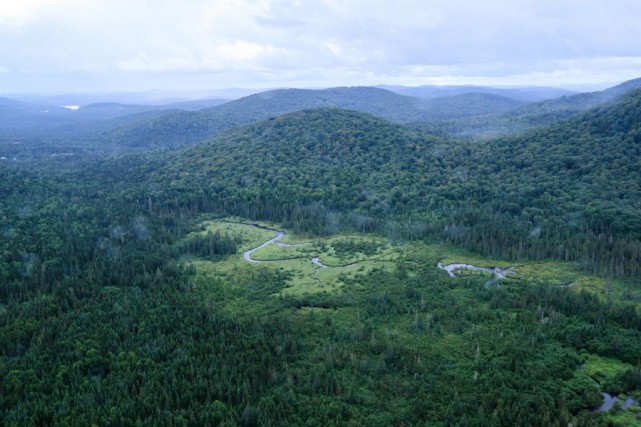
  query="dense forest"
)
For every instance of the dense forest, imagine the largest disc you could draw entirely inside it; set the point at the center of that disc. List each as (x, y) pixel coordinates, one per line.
(105, 318)
(570, 191)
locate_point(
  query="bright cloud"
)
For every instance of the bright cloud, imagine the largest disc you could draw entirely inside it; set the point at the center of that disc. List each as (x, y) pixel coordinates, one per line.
(16, 13)
(238, 55)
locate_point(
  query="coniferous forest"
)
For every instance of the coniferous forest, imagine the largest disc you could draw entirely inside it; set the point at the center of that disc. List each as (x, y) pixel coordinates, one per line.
(128, 296)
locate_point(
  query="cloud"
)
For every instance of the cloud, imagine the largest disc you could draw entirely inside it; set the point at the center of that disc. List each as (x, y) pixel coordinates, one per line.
(237, 55)
(17, 13)
(314, 42)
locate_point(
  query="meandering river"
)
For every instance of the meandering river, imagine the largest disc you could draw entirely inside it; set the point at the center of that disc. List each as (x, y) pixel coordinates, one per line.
(279, 235)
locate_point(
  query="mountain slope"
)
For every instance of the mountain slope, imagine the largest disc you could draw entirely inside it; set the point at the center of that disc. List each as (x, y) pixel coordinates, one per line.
(342, 159)
(526, 94)
(474, 104)
(595, 157)
(468, 115)
(566, 191)
(576, 182)
(530, 116)
(185, 128)
(97, 289)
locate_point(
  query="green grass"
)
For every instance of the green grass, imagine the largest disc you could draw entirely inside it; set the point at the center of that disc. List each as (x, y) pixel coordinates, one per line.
(295, 261)
(249, 236)
(474, 260)
(548, 273)
(603, 368)
(276, 252)
(620, 418)
(381, 253)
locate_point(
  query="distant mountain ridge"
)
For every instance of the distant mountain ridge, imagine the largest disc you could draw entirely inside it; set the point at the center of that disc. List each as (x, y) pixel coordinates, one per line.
(470, 115)
(525, 94)
(184, 128)
(529, 116)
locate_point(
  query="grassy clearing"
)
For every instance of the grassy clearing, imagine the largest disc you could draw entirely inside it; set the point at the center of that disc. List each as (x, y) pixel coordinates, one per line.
(276, 252)
(250, 236)
(619, 418)
(604, 368)
(477, 261)
(557, 273)
(295, 261)
(348, 255)
(548, 273)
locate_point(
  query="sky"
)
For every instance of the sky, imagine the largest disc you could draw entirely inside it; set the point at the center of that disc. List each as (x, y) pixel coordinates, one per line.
(58, 46)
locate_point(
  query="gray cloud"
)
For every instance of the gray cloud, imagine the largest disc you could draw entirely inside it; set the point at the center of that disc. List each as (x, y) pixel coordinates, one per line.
(118, 44)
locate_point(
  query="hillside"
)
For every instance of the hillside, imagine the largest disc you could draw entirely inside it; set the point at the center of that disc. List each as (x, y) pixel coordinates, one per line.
(467, 105)
(498, 191)
(184, 128)
(529, 116)
(566, 106)
(344, 160)
(526, 94)
(577, 176)
(469, 115)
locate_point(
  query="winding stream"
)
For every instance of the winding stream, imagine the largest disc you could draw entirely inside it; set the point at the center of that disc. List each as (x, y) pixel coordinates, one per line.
(452, 268)
(318, 263)
(609, 401)
(279, 235)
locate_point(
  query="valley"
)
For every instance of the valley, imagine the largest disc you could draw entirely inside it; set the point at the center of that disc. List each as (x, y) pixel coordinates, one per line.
(284, 259)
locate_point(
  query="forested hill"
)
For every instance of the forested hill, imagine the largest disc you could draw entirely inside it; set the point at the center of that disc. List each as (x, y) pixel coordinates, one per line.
(529, 116)
(566, 106)
(600, 148)
(567, 191)
(188, 127)
(184, 128)
(468, 115)
(525, 93)
(474, 104)
(578, 176)
(342, 160)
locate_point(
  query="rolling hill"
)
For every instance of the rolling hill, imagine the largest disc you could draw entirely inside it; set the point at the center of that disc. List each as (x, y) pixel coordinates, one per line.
(470, 115)
(528, 116)
(526, 94)
(184, 128)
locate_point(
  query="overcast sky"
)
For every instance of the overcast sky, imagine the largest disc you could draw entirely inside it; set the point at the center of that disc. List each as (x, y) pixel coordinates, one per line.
(136, 45)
